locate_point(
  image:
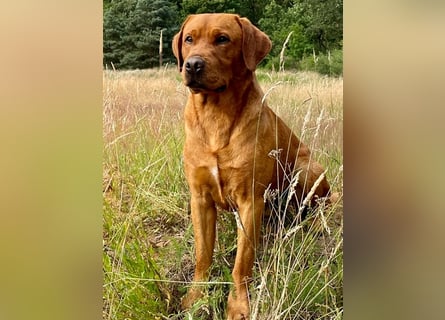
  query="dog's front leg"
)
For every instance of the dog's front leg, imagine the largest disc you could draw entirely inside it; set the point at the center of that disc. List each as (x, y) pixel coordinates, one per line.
(204, 227)
(249, 227)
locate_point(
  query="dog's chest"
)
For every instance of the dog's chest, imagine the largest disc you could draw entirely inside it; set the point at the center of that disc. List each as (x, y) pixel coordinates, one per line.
(210, 126)
(214, 171)
(227, 180)
(219, 188)
(215, 135)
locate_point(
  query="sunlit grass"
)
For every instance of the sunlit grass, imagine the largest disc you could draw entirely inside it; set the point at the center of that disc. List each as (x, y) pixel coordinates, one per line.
(148, 241)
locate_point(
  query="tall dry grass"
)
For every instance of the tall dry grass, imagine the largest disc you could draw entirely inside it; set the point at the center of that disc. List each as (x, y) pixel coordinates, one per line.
(148, 240)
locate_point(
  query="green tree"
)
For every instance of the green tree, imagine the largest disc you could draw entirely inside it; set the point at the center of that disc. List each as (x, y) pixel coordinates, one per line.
(322, 21)
(252, 9)
(278, 22)
(116, 16)
(209, 6)
(316, 26)
(132, 29)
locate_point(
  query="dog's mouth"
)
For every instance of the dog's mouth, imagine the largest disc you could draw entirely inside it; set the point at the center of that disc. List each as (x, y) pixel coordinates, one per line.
(220, 89)
(196, 87)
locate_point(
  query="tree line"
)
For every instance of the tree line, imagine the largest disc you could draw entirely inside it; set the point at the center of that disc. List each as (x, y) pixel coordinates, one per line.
(306, 34)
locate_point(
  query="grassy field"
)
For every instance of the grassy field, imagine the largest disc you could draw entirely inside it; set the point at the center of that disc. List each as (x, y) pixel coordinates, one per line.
(148, 256)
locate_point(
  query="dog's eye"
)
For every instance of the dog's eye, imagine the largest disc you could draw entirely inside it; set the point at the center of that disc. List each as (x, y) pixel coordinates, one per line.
(188, 39)
(222, 39)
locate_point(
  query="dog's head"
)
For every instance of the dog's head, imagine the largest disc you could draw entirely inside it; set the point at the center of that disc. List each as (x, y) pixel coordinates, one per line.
(213, 49)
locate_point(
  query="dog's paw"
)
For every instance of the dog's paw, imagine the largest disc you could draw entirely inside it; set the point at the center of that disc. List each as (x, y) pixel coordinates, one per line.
(238, 308)
(190, 298)
(236, 314)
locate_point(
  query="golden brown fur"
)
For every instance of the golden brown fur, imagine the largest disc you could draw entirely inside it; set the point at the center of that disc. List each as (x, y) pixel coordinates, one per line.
(230, 133)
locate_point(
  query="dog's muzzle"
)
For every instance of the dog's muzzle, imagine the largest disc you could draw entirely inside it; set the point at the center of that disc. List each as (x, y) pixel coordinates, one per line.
(194, 72)
(194, 66)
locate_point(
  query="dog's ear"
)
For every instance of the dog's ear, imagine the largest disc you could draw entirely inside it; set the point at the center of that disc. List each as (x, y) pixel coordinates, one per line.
(256, 44)
(177, 45)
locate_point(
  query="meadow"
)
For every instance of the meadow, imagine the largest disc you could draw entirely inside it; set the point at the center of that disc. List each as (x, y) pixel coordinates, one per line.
(148, 257)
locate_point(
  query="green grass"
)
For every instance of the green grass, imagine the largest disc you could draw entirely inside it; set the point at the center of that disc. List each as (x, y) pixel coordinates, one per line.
(148, 255)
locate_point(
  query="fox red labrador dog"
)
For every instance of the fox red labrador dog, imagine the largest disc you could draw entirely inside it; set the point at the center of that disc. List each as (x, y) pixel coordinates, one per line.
(231, 134)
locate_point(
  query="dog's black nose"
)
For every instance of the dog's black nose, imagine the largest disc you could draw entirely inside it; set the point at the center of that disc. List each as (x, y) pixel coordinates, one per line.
(194, 65)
